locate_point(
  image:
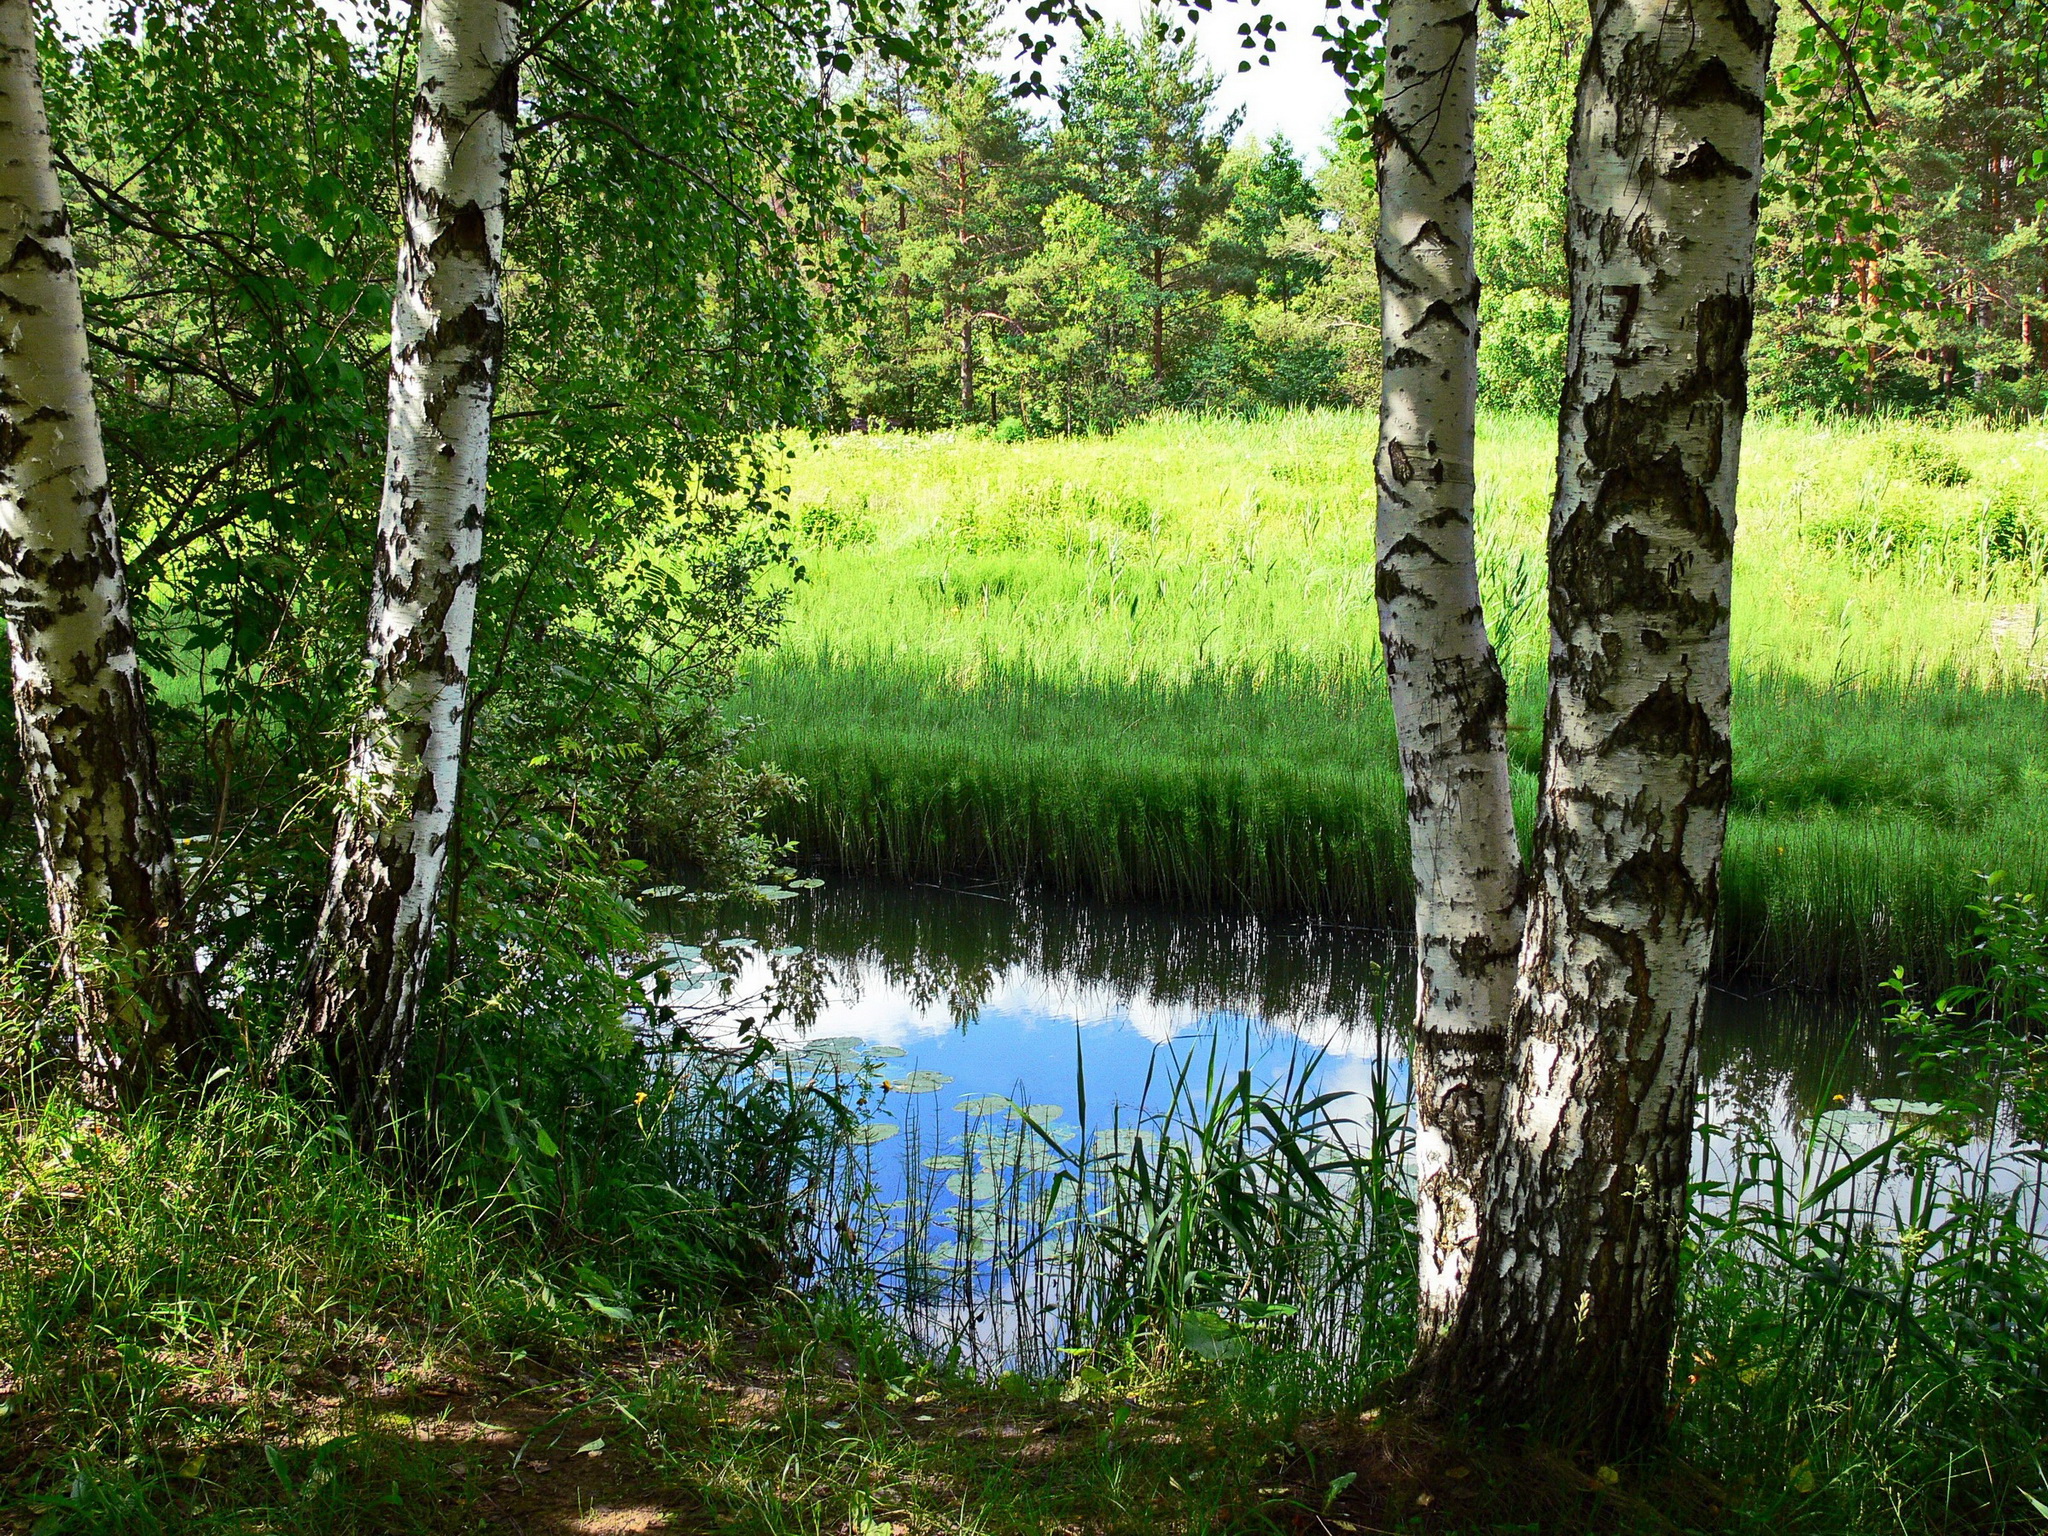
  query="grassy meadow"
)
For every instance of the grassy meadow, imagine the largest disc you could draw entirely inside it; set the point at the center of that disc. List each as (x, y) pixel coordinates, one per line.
(1147, 667)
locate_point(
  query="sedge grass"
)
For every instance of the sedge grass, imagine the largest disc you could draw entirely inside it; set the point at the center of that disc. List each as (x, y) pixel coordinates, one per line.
(1147, 667)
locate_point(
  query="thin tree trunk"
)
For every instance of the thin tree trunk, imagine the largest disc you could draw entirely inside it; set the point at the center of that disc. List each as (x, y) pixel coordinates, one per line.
(447, 339)
(1159, 316)
(108, 866)
(1450, 701)
(1571, 1313)
(967, 367)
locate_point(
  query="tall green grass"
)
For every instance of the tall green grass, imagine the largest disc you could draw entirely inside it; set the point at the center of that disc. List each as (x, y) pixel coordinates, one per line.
(1147, 667)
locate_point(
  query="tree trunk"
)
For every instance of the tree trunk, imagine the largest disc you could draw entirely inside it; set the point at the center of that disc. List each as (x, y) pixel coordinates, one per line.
(1571, 1313)
(447, 339)
(1159, 316)
(967, 367)
(1450, 701)
(108, 866)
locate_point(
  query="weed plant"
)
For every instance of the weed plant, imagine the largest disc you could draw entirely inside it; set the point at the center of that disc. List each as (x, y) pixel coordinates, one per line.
(1147, 667)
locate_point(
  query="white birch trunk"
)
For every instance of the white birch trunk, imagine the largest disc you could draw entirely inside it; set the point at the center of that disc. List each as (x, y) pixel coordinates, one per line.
(447, 339)
(1450, 701)
(108, 866)
(1571, 1313)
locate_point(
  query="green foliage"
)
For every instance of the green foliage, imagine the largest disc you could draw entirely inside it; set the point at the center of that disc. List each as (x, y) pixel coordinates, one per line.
(1903, 252)
(1867, 1322)
(1529, 75)
(230, 166)
(1901, 267)
(1984, 1043)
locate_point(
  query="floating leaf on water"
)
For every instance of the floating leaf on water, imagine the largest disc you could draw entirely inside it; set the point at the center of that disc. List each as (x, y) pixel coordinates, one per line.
(986, 1104)
(919, 1082)
(955, 1253)
(871, 1133)
(1039, 1207)
(682, 951)
(772, 893)
(984, 1185)
(1120, 1141)
(1037, 1157)
(735, 943)
(1914, 1108)
(1044, 1114)
(839, 1051)
(885, 1052)
(808, 883)
(1850, 1119)
(946, 1162)
(785, 951)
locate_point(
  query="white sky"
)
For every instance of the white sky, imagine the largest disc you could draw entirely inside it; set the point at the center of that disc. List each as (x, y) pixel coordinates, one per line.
(1296, 94)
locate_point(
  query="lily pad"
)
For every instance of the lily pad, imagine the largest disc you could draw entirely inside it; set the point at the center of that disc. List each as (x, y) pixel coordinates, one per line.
(986, 1104)
(873, 1132)
(983, 1185)
(919, 1082)
(1120, 1141)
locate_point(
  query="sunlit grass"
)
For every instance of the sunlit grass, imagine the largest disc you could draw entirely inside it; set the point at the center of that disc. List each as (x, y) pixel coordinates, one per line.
(1148, 667)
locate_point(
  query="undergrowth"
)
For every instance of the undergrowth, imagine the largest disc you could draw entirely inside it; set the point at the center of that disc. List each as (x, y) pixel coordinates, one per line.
(711, 1301)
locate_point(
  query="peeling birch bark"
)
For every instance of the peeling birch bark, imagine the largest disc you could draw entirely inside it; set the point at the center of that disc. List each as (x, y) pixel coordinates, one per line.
(1571, 1313)
(1450, 700)
(447, 340)
(108, 865)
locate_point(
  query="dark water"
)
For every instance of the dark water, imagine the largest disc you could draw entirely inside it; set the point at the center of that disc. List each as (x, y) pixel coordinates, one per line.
(1044, 1001)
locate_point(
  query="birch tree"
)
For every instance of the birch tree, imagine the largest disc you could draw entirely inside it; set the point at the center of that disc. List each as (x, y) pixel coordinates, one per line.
(447, 339)
(1450, 700)
(79, 701)
(1570, 1312)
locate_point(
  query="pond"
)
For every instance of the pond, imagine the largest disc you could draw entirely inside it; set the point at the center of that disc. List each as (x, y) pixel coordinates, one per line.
(1038, 1000)
(1009, 1057)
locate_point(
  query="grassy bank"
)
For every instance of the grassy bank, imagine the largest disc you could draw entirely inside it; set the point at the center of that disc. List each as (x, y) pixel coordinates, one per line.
(1147, 667)
(222, 1320)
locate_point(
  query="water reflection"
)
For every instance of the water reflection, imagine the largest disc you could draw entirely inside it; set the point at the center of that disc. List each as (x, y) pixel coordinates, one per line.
(1003, 1055)
(986, 991)
(992, 987)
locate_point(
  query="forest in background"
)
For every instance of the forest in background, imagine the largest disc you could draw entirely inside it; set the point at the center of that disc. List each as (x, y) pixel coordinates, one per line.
(1071, 265)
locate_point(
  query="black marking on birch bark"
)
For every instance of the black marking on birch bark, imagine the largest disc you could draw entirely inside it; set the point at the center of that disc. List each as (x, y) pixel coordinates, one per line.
(1386, 132)
(376, 925)
(1406, 357)
(1431, 237)
(1439, 312)
(1704, 162)
(1712, 82)
(1391, 278)
(80, 708)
